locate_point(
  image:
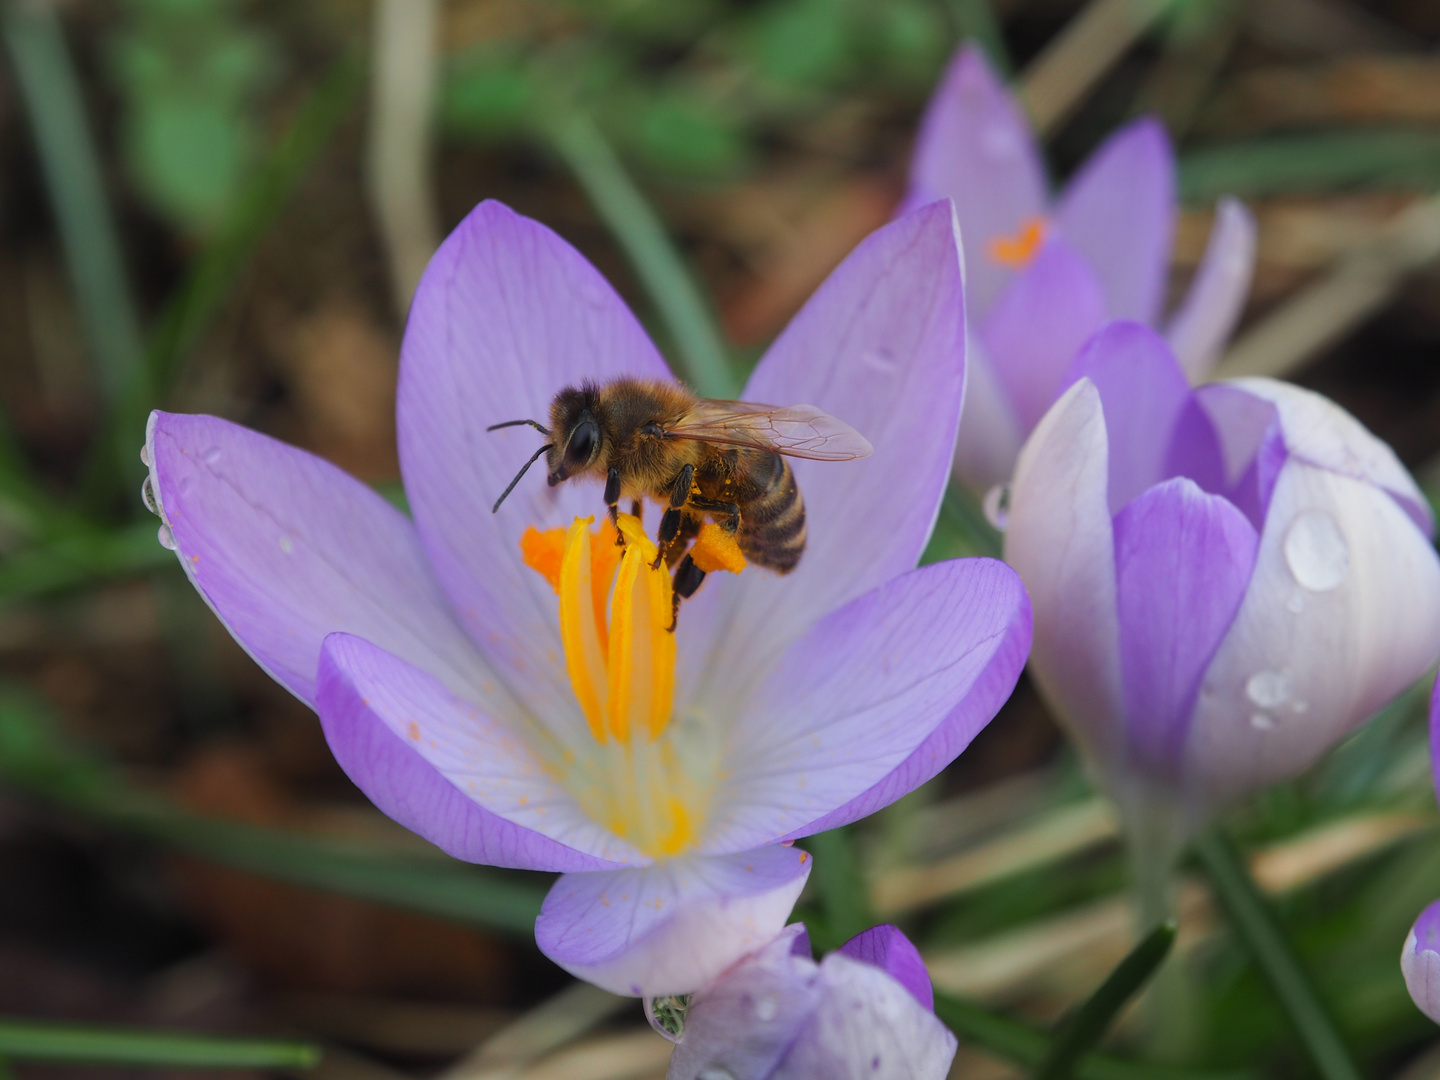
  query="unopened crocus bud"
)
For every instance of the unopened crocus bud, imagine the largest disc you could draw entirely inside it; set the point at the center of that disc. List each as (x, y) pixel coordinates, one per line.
(865, 1011)
(1043, 274)
(1420, 962)
(1225, 581)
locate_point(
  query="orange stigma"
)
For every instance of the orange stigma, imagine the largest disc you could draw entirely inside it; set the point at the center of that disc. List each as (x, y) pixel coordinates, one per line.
(1019, 251)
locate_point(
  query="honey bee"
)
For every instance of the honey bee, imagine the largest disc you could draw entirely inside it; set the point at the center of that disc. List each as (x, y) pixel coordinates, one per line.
(698, 458)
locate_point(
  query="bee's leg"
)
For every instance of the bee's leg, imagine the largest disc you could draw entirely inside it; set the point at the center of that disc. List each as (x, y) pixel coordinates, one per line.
(637, 509)
(687, 579)
(612, 501)
(731, 511)
(670, 521)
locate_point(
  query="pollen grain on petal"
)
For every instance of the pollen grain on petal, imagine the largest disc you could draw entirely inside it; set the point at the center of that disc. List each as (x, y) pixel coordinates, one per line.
(1019, 250)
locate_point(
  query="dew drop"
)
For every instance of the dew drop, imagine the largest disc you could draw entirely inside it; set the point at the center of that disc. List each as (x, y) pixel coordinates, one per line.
(1268, 689)
(147, 496)
(166, 537)
(145, 454)
(210, 455)
(1295, 604)
(1260, 722)
(286, 545)
(766, 1009)
(667, 1014)
(1316, 551)
(996, 505)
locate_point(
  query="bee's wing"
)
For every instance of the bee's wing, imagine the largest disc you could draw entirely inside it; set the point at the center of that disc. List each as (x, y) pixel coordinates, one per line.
(801, 431)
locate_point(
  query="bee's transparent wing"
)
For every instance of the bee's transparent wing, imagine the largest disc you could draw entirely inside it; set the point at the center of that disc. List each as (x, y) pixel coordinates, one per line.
(801, 431)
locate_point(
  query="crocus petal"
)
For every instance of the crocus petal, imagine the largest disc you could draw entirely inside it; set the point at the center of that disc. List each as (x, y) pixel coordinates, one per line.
(881, 346)
(1320, 432)
(867, 1024)
(1182, 562)
(518, 815)
(923, 661)
(1420, 962)
(1145, 395)
(1216, 298)
(506, 315)
(1119, 212)
(286, 548)
(990, 434)
(975, 146)
(1342, 613)
(1059, 538)
(892, 952)
(745, 1022)
(1038, 325)
(671, 927)
(1249, 443)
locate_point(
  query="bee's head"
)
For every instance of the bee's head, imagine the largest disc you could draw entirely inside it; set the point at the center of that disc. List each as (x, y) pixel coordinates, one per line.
(573, 419)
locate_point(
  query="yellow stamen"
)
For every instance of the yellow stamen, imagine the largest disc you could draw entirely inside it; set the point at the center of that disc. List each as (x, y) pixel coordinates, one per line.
(542, 552)
(580, 628)
(716, 549)
(1019, 251)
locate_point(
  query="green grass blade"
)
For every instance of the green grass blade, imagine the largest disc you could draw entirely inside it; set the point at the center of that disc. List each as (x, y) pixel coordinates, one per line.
(1256, 925)
(844, 897)
(1312, 162)
(73, 178)
(701, 355)
(83, 557)
(1087, 1025)
(30, 1040)
(961, 530)
(1027, 1046)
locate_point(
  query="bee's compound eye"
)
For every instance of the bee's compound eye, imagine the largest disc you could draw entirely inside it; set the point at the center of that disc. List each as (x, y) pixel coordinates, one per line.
(583, 444)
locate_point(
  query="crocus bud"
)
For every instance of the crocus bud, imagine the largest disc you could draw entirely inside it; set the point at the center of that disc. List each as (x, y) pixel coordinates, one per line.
(1420, 962)
(1225, 581)
(865, 1011)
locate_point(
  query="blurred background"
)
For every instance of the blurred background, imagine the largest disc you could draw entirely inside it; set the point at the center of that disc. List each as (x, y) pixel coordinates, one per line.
(223, 205)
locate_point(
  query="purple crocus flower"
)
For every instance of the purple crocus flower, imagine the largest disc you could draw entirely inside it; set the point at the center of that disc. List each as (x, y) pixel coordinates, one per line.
(1225, 580)
(1042, 276)
(665, 778)
(866, 1012)
(1420, 957)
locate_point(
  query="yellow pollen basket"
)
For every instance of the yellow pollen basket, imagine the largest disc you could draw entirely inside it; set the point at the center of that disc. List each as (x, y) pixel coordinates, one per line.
(1019, 251)
(615, 612)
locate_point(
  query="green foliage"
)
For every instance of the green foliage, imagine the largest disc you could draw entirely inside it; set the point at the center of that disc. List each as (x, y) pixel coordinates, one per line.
(190, 74)
(34, 1040)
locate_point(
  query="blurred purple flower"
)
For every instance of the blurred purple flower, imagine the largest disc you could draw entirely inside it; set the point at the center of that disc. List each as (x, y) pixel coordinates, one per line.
(1225, 580)
(434, 654)
(1041, 277)
(1420, 957)
(865, 1012)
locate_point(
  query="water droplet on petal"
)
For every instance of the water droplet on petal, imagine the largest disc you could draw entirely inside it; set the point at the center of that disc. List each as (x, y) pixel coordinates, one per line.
(1268, 689)
(1260, 722)
(286, 545)
(996, 505)
(766, 1009)
(1316, 551)
(147, 496)
(145, 454)
(667, 1014)
(1295, 604)
(166, 537)
(210, 455)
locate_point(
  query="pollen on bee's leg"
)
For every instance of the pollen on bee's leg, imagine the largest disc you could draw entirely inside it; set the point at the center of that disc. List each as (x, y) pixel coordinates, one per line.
(716, 549)
(1019, 251)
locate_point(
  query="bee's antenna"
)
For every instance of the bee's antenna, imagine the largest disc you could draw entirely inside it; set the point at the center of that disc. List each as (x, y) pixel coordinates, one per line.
(518, 423)
(523, 468)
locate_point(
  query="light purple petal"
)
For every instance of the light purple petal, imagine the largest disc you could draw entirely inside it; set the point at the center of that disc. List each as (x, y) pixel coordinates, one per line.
(1039, 323)
(286, 548)
(892, 952)
(990, 434)
(1119, 212)
(881, 346)
(746, 1021)
(506, 315)
(975, 146)
(1342, 613)
(1250, 443)
(1320, 432)
(1420, 962)
(867, 1025)
(438, 739)
(1145, 395)
(1435, 735)
(1182, 562)
(874, 700)
(672, 927)
(1216, 299)
(1059, 539)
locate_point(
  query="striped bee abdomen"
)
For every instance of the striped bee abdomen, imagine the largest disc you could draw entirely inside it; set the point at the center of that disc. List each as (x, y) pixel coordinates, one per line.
(772, 520)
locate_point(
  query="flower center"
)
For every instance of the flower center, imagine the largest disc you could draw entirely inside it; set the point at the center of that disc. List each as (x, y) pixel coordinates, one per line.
(615, 613)
(1019, 251)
